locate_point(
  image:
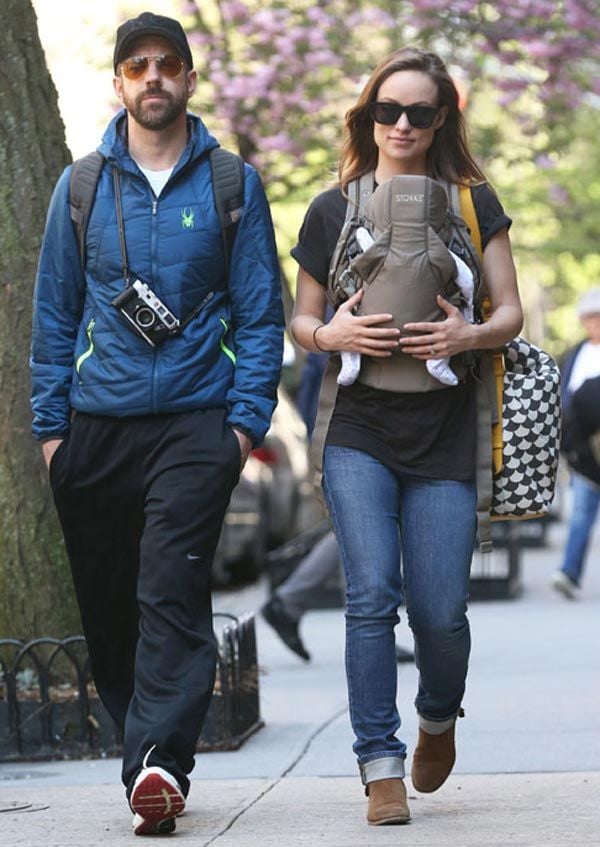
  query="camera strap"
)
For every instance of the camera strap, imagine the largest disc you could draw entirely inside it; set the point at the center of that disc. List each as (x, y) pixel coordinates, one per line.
(121, 226)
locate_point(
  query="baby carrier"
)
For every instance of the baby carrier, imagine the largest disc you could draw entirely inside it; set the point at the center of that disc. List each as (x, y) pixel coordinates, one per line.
(408, 264)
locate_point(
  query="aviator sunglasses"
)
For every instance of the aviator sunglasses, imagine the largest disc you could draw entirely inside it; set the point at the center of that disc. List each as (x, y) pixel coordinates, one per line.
(168, 64)
(419, 117)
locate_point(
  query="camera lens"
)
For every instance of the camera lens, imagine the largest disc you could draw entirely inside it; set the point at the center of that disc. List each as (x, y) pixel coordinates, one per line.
(145, 317)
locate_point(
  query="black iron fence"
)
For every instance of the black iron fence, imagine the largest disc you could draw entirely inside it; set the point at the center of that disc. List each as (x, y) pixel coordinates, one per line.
(49, 707)
(234, 711)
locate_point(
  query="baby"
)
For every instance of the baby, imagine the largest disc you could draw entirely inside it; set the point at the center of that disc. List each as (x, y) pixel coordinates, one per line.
(438, 368)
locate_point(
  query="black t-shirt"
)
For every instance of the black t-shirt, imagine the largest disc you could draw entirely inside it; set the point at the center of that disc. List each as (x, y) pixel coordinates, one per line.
(429, 434)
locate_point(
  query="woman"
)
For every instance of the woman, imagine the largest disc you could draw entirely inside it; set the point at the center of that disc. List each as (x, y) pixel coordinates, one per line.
(399, 468)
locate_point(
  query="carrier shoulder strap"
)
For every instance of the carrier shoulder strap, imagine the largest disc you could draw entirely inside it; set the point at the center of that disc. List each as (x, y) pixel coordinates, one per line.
(83, 181)
(359, 191)
(228, 172)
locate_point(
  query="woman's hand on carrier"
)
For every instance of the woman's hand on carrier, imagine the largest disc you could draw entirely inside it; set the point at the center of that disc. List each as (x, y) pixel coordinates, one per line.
(436, 340)
(358, 333)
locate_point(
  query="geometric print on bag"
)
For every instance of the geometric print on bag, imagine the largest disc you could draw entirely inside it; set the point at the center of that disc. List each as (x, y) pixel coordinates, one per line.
(531, 429)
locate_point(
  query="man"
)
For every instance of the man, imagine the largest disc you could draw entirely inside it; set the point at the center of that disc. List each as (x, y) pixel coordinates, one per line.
(581, 445)
(144, 443)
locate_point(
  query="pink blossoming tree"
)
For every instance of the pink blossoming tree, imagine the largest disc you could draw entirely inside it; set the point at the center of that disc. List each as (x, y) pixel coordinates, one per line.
(282, 74)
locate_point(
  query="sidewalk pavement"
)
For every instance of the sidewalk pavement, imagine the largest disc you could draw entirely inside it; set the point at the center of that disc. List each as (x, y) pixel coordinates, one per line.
(528, 764)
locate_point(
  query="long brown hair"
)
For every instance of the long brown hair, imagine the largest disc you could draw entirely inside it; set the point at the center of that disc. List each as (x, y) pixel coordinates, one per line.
(448, 157)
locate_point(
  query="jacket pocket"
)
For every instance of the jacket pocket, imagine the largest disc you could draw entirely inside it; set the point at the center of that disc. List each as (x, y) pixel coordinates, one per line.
(55, 461)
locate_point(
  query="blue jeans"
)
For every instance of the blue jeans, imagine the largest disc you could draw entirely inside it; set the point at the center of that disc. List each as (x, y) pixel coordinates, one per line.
(586, 499)
(381, 519)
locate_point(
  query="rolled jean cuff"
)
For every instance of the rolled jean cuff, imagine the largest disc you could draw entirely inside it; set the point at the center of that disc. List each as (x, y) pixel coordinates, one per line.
(387, 767)
(436, 727)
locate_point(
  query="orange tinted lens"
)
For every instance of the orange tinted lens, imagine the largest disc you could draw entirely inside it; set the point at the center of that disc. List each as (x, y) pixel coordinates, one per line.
(170, 65)
(135, 67)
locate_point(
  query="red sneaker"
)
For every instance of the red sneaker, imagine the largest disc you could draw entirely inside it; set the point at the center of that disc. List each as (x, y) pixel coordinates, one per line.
(156, 800)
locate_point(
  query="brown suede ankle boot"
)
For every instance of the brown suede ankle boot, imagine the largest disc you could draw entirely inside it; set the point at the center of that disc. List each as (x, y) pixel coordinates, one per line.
(433, 760)
(387, 802)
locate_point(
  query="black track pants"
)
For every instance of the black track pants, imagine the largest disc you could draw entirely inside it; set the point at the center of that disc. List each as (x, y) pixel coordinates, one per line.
(141, 501)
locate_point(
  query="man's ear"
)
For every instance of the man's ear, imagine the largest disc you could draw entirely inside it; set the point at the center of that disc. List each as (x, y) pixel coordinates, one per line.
(118, 87)
(192, 82)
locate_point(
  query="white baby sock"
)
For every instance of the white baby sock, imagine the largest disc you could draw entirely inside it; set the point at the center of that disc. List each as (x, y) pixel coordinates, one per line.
(440, 368)
(350, 367)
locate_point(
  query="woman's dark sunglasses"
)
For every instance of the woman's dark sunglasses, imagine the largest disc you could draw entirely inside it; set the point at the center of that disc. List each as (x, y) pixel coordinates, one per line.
(419, 117)
(135, 67)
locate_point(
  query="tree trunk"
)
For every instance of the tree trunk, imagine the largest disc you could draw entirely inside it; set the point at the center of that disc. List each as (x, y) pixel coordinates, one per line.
(36, 595)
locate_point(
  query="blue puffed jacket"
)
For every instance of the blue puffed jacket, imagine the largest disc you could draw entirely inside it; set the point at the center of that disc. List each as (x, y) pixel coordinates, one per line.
(84, 356)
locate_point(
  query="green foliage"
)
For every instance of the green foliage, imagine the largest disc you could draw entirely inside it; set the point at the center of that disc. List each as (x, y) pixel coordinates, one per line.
(549, 182)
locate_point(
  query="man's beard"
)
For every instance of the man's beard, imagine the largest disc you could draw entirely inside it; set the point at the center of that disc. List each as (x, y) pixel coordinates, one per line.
(159, 114)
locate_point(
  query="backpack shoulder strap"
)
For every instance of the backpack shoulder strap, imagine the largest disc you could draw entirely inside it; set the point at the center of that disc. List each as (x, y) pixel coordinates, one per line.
(227, 170)
(83, 181)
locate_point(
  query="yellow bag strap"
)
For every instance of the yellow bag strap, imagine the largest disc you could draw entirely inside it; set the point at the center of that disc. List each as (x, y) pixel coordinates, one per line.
(467, 210)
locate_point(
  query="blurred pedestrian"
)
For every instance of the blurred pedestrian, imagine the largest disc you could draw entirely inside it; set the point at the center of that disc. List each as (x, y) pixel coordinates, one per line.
(309, 385)
(399, 467)
(290, 600)
(581, 434)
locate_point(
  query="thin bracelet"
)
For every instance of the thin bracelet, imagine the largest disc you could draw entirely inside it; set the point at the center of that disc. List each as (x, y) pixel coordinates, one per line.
(315, 342)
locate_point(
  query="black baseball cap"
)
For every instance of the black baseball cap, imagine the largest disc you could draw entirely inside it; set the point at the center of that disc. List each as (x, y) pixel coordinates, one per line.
(150, 24)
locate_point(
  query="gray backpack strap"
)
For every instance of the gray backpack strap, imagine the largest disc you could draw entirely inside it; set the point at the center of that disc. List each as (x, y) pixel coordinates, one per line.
(85, 173)
(228, 173)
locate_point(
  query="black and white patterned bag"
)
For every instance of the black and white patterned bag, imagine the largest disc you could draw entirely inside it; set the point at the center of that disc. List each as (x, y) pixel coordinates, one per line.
(531, 423)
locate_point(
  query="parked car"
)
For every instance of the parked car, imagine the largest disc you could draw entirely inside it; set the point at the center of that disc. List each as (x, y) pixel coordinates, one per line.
(273, 501)
(285, 452)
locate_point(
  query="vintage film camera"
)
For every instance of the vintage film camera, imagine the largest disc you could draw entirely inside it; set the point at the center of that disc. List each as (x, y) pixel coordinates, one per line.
(147, 315)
